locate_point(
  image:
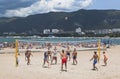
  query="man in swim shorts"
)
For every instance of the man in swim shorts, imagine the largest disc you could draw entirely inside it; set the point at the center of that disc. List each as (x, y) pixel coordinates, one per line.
(68, 53)
(95, 59)
(46, 59)
(64, 60)
(74, 55)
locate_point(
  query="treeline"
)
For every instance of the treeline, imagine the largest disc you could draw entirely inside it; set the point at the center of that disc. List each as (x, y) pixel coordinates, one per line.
(67, 35)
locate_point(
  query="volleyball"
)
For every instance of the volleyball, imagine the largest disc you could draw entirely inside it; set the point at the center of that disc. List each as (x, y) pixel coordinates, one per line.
(66, 18)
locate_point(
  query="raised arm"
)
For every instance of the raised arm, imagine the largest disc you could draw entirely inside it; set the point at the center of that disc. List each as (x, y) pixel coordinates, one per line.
(91, 58)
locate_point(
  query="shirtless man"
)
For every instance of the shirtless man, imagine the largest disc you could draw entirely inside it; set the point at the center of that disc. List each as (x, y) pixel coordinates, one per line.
(64, 60)
(95, 57)
(74, 55)
(68, 53)
(27, 56)
(105, 59)
(46, 59)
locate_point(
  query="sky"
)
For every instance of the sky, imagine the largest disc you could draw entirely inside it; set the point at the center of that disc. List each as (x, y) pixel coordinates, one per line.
(23, 8)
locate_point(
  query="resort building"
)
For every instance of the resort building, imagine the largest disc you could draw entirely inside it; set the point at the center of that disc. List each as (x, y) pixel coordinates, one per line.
(46, 31)
(78, 30)
(55, 30)
(116, 30)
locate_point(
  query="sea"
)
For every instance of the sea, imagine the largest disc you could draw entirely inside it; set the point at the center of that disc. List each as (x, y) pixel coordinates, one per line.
(11, 39)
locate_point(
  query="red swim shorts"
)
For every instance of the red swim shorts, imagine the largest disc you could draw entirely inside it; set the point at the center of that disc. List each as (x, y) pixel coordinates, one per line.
(64, 60)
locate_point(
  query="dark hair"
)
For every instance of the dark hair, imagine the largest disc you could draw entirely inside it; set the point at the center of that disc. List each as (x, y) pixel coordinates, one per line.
(95, 52)
(62, 51)
(103, 52)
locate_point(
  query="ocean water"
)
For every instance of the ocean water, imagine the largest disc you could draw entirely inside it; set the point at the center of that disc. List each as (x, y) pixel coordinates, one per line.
(61, 39)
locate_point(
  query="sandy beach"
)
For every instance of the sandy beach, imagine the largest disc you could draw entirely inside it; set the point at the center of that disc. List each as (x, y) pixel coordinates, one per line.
(82, 70)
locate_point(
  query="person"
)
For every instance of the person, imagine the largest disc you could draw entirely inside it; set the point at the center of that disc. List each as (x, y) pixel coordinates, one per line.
(46, 59)
(26, 53)
(95, 57)
(54, 56)
(68, 53)
(27, 56)
(49, 54)
(105, 59)
(74, 55)
(64, 60)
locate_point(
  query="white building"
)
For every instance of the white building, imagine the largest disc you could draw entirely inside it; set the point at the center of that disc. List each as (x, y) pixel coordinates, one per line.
(78, 30)
(5, 32)
(10, 33)
(116, 30)
(55, 30)
(103, 31)
(46, 31)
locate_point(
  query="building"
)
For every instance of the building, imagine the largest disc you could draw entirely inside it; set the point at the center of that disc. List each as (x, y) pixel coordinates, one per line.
(78, 30)
(103, 31)
(6, 33)
(46, 31)
(55, 30)
(116, 30)
(12, 33)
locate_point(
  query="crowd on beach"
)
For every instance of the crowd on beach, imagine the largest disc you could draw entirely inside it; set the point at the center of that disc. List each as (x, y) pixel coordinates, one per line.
(24, 45)
(67, 55)
(6, 45)
(41, 45)
(67, 52)
(52, 55)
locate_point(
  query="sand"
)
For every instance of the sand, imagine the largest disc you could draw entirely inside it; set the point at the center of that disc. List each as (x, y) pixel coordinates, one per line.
(82, 70)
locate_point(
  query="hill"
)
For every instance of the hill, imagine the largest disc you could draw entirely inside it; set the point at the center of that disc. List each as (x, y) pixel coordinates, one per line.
(67, 21)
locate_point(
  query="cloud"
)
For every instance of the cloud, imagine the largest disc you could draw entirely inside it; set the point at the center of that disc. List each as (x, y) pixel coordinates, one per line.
(14, 4)
(45, 6)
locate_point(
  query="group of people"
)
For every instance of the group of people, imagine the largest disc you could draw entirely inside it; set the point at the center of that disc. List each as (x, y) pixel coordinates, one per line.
(64, 55)
(95, 59)
(50, 56)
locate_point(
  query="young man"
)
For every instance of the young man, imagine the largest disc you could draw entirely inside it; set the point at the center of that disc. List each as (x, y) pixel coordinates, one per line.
(26, 53)
(68, 53)
(46, 59)
(64, 60)
(49, 54)
(54, 56)
(105, 59)
(74, 55)
(95, 59)
(27, 56)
